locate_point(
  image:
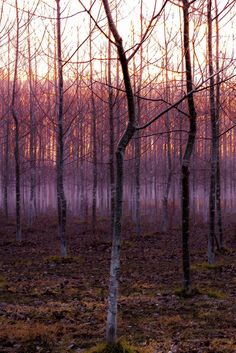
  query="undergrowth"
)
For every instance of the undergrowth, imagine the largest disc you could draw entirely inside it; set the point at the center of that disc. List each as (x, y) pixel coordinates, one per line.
(38, 344)
(209, 292)
(62, 260)
(119, 347)
(203, 266)
(3, 283)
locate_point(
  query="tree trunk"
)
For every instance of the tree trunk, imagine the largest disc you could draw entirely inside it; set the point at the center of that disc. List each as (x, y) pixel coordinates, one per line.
(166, 221)
(111, 141)
(212, 196)
(217, 102)
(32, 206)
(111, 331)
(61, 200)
(94, 139)
(137, 175)
(95, 171)
(187, 153)
(6, 167)
(6, 142)
(137, 135)
(16, 122)
(18, 180)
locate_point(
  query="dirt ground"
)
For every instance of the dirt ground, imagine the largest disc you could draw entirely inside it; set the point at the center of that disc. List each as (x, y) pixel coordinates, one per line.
(49, 304)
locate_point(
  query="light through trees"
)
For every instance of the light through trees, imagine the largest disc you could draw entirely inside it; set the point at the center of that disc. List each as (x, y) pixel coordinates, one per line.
(167, 112)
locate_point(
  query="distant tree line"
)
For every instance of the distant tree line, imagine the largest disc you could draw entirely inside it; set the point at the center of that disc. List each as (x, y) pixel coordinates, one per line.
(96, 120)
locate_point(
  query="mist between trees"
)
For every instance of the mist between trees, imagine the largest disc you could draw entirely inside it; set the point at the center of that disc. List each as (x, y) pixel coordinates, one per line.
(78, 154)
(132, 112)
(86, 94)
(65, 100)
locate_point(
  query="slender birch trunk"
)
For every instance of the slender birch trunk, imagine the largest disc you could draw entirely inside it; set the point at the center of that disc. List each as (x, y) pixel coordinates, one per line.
(217, 102)
(137, 172)
(6, 142)
(111, 332)
(81, 206)
(212, 196)
(187, 153)
(6, 167)
(61, 200)
(137, 135)
(111, 139)
(166, 221)
(16, 123)
(32, 206)
(82, 175)
(94, 139)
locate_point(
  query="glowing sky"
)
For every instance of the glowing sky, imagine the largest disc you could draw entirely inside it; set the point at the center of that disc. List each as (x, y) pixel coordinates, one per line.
(76, 26)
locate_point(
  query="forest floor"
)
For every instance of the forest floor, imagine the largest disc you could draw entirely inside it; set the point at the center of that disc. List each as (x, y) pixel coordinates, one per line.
(49, 304)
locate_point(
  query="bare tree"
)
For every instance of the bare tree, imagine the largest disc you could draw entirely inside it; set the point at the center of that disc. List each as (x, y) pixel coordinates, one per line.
(6, 166)
(94, 138)
(188, 151)
(6, 141)
(32, 206)
(61, 200)
(165, 220)
(214, 178)
(212, 195)
(137, 145)
(111, 137)
(17, 137)
(217, 109)
(111, 334)
(123, 143)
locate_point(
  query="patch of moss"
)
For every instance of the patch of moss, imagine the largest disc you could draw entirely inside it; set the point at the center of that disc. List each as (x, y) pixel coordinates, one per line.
(25, 262)
(203, 266)
(211, 293)
(180, 292)
(119, 347)
(150, 234)
(3, 283)
(127, 244)
(62, 260)
(222, 345)
(140, 288)
(171, 320)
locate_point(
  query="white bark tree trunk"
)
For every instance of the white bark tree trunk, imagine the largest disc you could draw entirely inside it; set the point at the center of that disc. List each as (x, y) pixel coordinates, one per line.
(111, 331)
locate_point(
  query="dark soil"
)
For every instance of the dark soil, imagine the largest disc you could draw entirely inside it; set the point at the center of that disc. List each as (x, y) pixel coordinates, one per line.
(49, 304)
